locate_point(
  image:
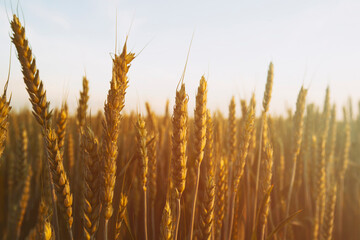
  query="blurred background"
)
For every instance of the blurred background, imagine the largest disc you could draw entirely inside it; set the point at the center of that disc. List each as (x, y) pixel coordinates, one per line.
(315, 43)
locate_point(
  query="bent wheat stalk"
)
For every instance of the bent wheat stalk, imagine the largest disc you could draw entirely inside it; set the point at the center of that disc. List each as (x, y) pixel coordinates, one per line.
(35, 89)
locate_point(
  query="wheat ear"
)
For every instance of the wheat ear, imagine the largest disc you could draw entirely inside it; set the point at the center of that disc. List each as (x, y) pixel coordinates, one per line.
(83, 104)
(298, 132)
(263, 131)
(143, 163)
(91, 206)
(179, 142)
(35, 89)
(220, 198)
(207, 198)
(120, 215)
(113, 106)
(166, 223)
(61, 182)
(4, 119)
(200, 141)
(240, 162)
(61, 127)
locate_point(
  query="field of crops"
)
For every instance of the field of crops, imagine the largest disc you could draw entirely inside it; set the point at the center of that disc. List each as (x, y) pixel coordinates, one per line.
(112, 175)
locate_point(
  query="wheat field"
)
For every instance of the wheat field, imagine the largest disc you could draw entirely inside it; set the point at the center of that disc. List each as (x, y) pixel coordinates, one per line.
(145, 176)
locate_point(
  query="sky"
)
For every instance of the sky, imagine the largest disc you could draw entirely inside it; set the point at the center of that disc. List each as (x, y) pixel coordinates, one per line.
(310, 42)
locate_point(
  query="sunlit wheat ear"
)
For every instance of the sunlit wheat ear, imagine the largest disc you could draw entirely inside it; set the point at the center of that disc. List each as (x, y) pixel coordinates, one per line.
(179, 143)
(343, 165)
(91, 206)
(298, 126)
(114, 104)
(220, 199)
(207, 197)
(266, 184)
(166, 223)
(120, 215)
(239, 164)
(268, 88)
(244, 107)
(153, 139)
(207, 208)
(34, 85)
(61, 123)
(61, 182)
(200, 140)
(326, 115)
(83, 104)
(48, 232)
(141, 137)
(243, 147)
(232, 131)
(328, 225)
(263, 141)
(4, 119)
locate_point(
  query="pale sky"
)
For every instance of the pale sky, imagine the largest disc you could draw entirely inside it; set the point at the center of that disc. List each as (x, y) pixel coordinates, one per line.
(312, 42)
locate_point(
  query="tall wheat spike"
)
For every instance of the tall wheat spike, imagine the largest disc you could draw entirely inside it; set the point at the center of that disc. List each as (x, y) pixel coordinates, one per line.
(61, 182)
(179, 153)
(200, 141)
(220, 198)
(109, 150)
(83, 104)
(35, 89)
(152, 148)
(4, 119)
(240, 162)
(266, 184)
(298, 132)
(207, 199)
(143, 163)
(264, 129)
(34, 85)
(61, 127)
(78, 179)
(232, 131)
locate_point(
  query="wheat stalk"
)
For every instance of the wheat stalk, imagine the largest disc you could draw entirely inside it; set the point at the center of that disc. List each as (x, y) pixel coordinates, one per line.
(143, 163)
(240, 163)
(200, 141)
(298, 128)
(61, 182)
(91, 206)
(113, 106)
(179, 157)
